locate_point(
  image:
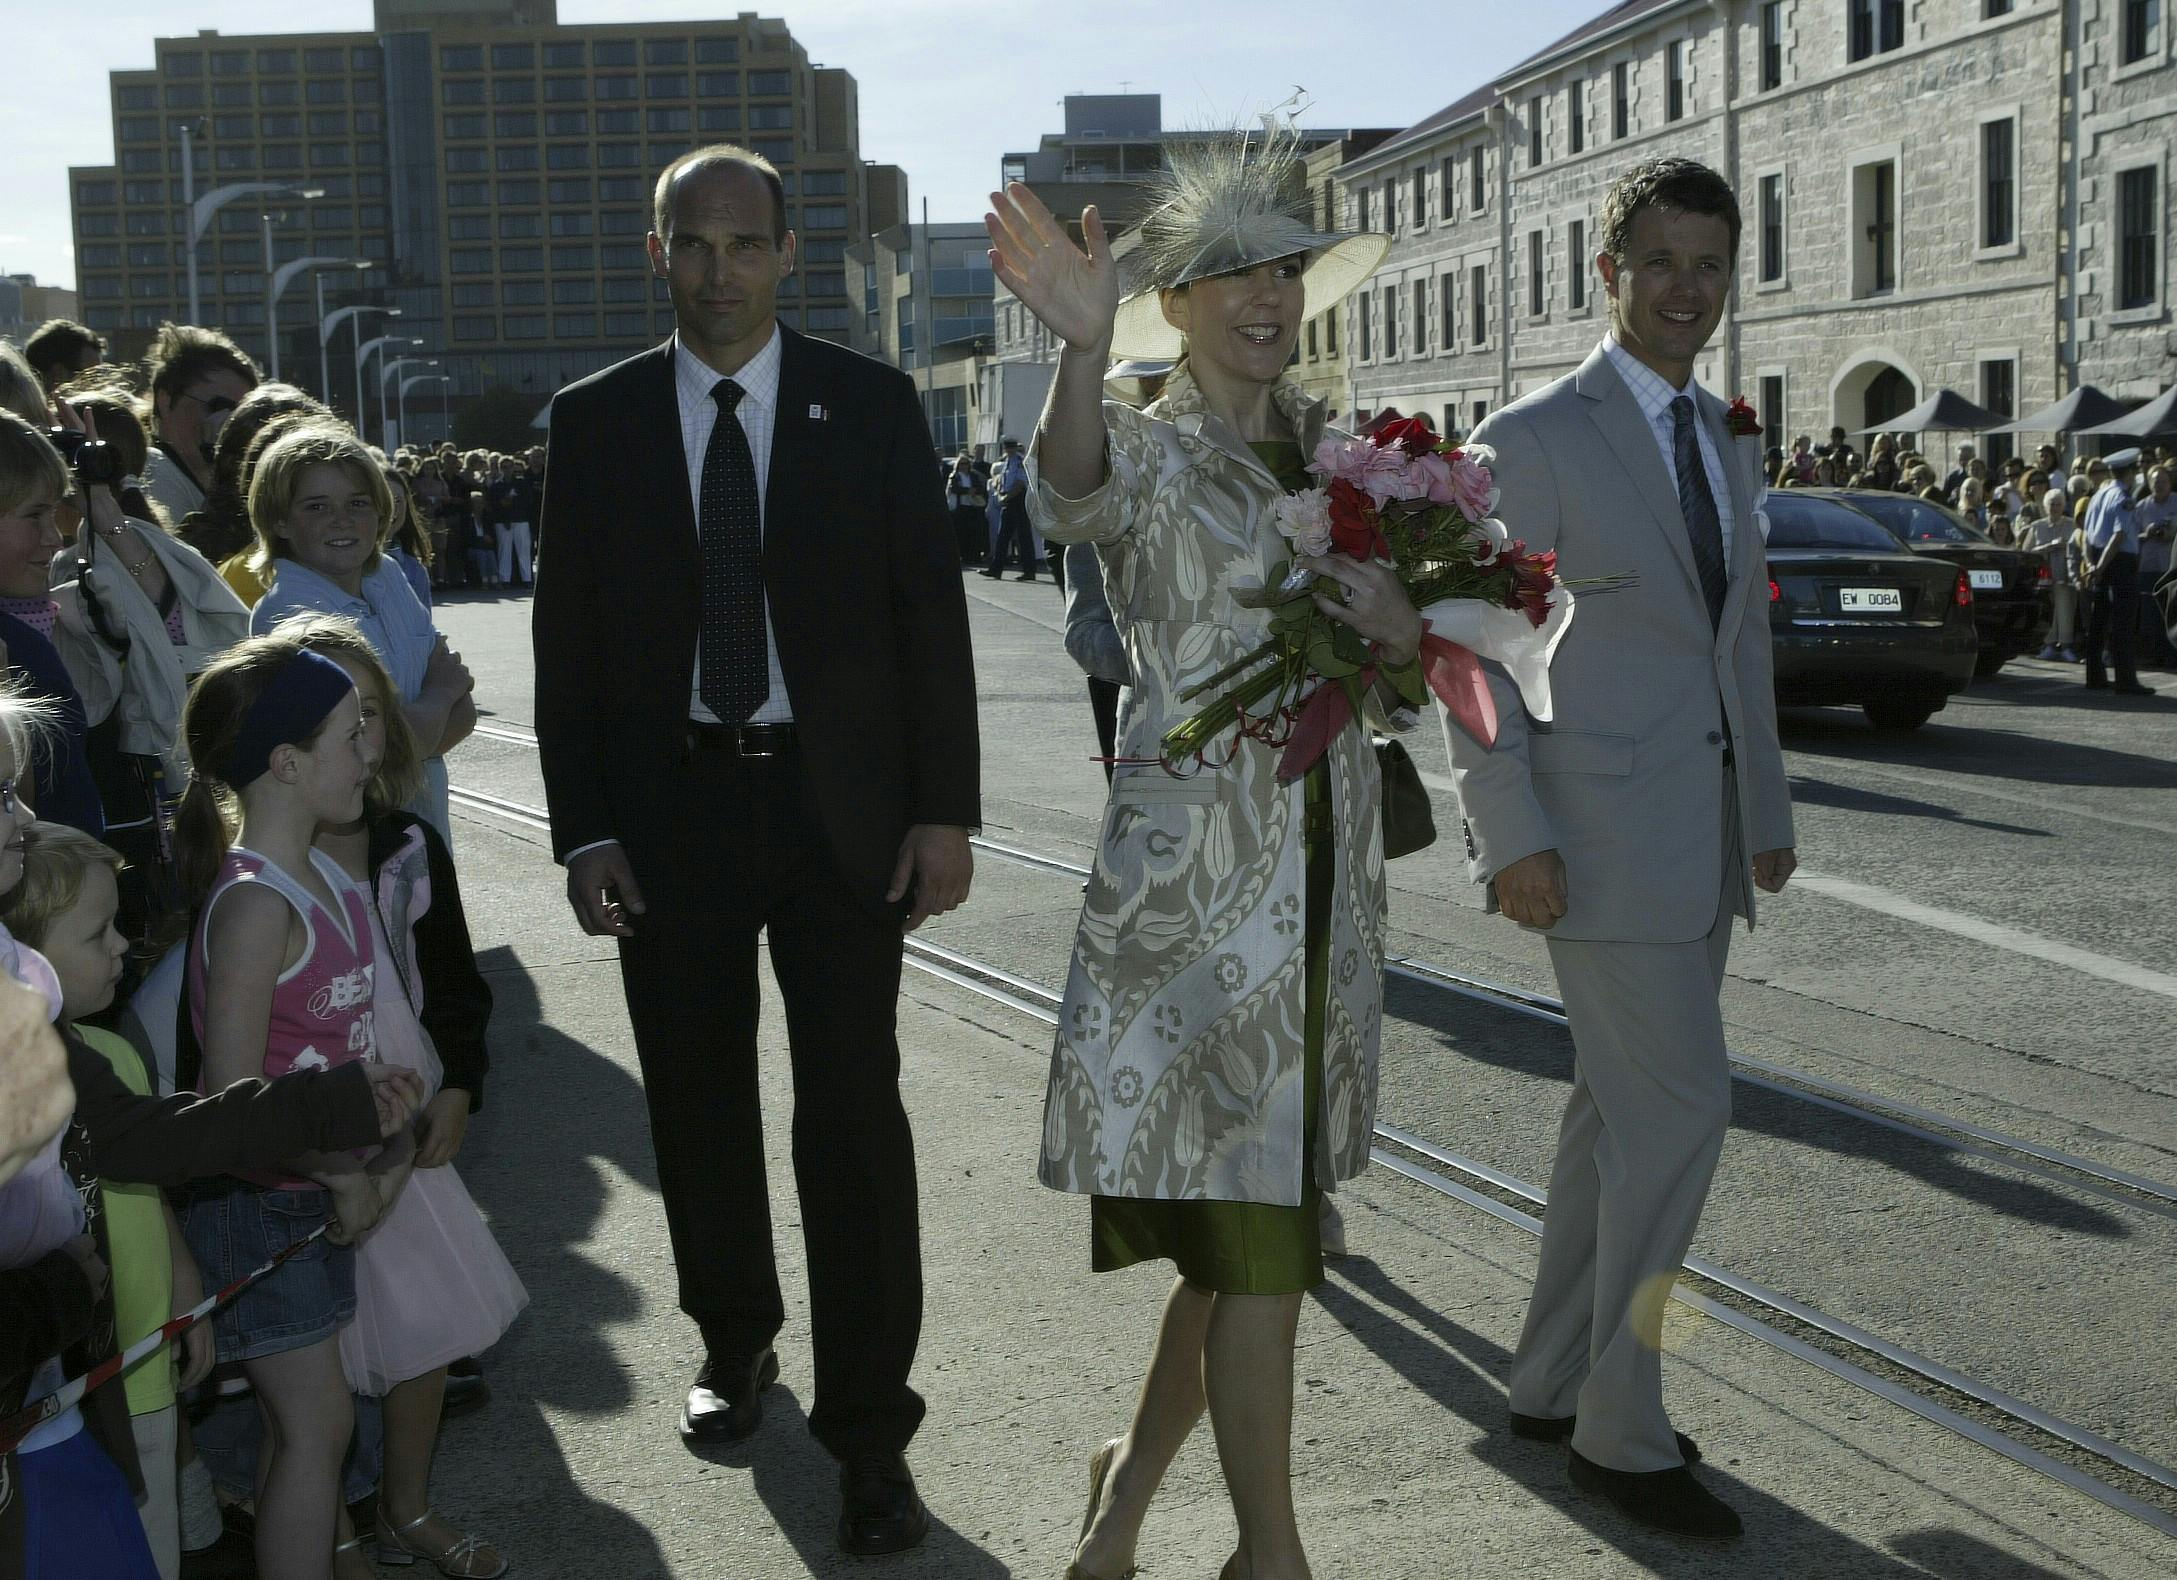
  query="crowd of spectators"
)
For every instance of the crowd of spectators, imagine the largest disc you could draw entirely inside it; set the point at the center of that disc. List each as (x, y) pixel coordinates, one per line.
(2038, 506)
(162, 526)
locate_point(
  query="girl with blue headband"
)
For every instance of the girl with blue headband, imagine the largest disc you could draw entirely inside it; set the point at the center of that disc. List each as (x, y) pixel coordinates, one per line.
(280, 976)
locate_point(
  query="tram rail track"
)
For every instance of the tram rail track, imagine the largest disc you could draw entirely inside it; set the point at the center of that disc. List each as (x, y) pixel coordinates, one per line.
(1964, 1137)
(1991, 1418)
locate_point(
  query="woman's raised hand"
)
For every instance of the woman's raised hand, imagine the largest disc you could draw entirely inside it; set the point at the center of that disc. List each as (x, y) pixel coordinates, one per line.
(1074, 293)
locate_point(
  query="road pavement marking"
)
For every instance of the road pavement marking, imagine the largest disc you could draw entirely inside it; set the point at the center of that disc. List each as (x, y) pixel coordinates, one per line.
(1993, 934)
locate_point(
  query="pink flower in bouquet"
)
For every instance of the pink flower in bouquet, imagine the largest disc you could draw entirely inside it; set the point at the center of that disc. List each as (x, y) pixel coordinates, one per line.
(1377, 472)
(1304, 518)
(1456, 479)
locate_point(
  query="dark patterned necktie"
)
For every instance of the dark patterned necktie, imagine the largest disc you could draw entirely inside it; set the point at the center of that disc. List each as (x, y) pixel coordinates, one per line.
(1698, 506)
(736, 674)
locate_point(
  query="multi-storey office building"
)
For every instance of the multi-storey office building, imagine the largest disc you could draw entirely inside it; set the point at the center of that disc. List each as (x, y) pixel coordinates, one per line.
(927, 308)
(1963, 194)
(493, 168)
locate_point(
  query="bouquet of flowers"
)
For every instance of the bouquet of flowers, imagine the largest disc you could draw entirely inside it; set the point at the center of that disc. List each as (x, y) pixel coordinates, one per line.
(1405, 496)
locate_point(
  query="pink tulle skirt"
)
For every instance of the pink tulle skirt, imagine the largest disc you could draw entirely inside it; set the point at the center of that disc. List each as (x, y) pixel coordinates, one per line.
(431, 1284)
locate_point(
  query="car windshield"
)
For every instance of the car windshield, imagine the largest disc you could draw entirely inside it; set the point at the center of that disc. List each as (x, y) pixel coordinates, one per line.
(1798, 522)
(1916, 520)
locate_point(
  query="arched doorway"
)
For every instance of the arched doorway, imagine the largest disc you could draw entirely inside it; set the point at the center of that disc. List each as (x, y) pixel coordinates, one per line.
(1889, 394)
(1871, 388)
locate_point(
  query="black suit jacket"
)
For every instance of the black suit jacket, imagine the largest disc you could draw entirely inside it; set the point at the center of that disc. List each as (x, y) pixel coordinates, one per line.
(864, 590)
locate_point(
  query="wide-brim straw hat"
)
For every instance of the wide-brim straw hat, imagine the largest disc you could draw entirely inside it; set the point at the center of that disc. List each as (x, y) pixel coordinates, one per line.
(1225, 204)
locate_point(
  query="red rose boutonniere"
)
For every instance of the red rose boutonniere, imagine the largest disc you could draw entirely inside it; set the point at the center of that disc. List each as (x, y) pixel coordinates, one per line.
(1740, 419)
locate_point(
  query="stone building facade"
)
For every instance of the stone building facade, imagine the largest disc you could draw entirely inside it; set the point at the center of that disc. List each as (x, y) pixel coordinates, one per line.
(1912, 176)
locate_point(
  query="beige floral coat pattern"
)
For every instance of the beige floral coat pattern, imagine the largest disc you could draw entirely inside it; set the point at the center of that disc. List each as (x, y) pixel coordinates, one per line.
(1178, 1067)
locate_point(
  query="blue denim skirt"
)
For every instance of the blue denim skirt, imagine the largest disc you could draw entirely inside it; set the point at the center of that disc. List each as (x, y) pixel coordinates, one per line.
(234, 1228)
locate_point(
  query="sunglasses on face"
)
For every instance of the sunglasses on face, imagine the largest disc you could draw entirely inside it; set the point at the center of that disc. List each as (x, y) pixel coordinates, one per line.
(213, 407)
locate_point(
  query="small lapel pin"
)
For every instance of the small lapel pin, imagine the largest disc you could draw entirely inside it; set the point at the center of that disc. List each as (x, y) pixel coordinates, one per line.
(817, 414)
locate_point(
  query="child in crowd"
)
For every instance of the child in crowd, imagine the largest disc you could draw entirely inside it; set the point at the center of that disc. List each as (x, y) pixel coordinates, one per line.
(65, 907)
(280, 978)
(69, 1503)
(432, 1285)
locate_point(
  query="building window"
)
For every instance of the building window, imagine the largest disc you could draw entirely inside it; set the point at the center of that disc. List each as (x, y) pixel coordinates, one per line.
(1772, 45)
(1421, 198)
(2135, 30)
(1621, 101)
(1576, 265)
(1999, 393)
(1537, 303)
(1367, 300)
(1874, 228)
(1330, 333)
(1998, 183)
(1772, 404)
(1390, 322)
(1447, 294)
(1674, 80)
(1421, 317)
(1360, 209)
(1310, 338)
(1477, 318)
(717, 84)
(456, 57)
(1991, 9)
(1448, 208)
(1476, 175)
(2138, 239)
(1877, 27)
(1575, 116)
(613, 52)
(1534, 132)
(1772, 229)
(666, 85)
(1390, 205)
(665, 52)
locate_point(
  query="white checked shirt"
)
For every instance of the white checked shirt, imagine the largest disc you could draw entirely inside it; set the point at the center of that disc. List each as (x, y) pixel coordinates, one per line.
(1655, 397)
(693, 381)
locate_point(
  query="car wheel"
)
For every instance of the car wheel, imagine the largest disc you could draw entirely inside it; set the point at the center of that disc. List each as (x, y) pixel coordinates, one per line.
(1989, 662)
(1891, 714)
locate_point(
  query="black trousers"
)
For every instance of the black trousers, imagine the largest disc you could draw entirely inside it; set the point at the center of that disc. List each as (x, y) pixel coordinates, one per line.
(2112, 621)
(1104, 703)
(728, 849)
(1014, 533)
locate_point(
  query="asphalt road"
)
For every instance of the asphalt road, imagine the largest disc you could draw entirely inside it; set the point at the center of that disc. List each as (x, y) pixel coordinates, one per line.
(1981, 929)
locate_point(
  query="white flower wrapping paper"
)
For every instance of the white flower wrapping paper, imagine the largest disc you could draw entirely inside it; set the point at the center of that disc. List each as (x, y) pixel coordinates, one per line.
(1508, 638)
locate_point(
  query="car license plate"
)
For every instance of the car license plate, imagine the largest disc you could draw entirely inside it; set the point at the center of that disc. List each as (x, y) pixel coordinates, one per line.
(1986, 581)
(1871, 600)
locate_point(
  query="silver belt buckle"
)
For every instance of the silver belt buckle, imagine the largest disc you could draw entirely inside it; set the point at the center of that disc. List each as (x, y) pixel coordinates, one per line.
(742, 746)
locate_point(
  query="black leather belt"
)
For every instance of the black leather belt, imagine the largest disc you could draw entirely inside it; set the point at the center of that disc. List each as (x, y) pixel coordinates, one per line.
(742, 740)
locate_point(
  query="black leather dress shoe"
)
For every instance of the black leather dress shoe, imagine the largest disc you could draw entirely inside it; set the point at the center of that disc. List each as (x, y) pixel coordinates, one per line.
(726, 1403)
(1558, 1429)
(879, 1509)
(1670, 1501)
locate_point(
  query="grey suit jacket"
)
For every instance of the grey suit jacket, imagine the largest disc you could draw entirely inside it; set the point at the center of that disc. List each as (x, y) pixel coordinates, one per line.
(1625, 782)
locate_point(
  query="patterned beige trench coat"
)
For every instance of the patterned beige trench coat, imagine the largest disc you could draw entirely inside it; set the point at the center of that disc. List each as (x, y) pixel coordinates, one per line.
(1179, 1064)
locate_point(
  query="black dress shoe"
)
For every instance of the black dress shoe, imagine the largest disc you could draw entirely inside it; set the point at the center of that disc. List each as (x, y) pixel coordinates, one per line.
(2134, 689)
(879, 1509)
(726, 1403)
(1670, 1501)
(1558, 1429)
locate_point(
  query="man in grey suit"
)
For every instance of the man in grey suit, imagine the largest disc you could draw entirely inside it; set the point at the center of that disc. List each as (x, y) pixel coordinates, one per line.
(1634, 825)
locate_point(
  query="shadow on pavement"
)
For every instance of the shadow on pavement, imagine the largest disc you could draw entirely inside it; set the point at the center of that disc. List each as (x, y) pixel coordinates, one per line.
(537, 1169)
(1851, 798)
(1493, 1036)
(1967, 749)
(799, 1483)
(1439, 1357)
(1956, 1556)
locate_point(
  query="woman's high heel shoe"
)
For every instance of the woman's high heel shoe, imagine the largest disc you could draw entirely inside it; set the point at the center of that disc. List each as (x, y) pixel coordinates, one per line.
(1099, 1470)
(469, 1558)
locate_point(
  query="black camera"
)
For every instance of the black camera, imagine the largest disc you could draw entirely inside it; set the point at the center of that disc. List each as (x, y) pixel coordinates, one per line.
(95, 461)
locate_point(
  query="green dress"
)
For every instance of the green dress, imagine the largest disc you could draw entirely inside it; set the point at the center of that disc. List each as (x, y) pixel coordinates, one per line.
(1245, 1247)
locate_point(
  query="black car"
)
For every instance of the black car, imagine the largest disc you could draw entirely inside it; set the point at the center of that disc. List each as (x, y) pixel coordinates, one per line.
(2011, 601)
(1857, 618)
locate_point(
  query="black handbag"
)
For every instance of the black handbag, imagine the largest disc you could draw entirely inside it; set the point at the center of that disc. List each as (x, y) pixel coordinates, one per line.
(1409, 822)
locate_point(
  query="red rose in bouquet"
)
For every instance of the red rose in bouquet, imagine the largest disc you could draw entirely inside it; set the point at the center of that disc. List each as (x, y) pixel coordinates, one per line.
(1354, 529)
(1740, 419)
(1411, 434)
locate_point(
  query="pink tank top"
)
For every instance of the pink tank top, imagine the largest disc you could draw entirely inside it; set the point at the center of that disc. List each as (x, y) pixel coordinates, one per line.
(322, 1005)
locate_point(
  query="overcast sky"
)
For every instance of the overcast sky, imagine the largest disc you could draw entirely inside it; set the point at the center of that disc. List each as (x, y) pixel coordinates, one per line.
(944, 93)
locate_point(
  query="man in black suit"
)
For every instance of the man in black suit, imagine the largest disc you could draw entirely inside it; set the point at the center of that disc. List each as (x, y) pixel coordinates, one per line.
(745, 729)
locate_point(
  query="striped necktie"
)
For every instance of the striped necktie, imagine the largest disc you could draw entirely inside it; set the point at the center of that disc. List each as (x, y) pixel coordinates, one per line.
(736, 671)
(1698, 506)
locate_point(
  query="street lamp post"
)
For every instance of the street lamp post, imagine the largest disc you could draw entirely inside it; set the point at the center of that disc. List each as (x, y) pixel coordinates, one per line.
(201, 209)
(324, 359)
(361, 355)
(352, 316)
(386, 371)
(277, 282)
(400, 399)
